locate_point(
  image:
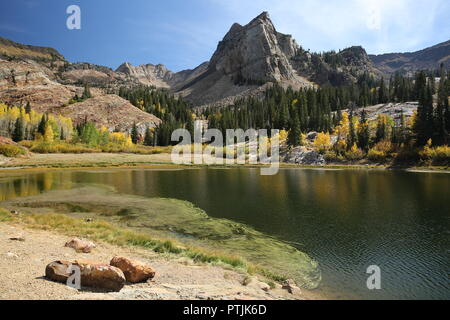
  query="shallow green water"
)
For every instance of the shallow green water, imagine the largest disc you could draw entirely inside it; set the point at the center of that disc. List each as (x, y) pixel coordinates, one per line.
(347, 220)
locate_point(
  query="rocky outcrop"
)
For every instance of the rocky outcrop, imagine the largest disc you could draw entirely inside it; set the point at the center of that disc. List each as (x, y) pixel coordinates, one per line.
(393, 110)
(159, 76)
(134, 271)
(255, 53)
(96, 275)
(94, 75)
(109, 111)
(303, 155)
(19, 74)
(334, 68)
(148, 74)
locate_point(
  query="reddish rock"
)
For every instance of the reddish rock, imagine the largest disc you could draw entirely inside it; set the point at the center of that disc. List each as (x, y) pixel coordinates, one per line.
(93, 274)
(57, 271)
(134, 271)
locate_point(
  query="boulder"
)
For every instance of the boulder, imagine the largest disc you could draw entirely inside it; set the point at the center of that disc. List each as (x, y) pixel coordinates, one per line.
(57, 271)
(93, 274)
(303, 155)
(259, 285)
(291, 287)
(134, 271)
(312, 136)
(80, 245)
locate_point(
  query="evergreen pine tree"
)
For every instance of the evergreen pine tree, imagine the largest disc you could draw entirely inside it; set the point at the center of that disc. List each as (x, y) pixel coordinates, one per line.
(447, 115)
(148, 139)
(28, 108)
(42, 125)
(294, 136)
(134, 134)
(352, 136)
(18, 134)
(363, 132)
(382, 92)
(190, 125)
(62, 135)
(423, 127)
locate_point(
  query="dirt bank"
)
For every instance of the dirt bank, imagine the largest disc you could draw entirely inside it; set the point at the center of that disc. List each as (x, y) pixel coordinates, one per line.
(22, 266)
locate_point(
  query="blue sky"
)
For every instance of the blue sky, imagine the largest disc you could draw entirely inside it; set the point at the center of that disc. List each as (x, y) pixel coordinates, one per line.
(184, 33)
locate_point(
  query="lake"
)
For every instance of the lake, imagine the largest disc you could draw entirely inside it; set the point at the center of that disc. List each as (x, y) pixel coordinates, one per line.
(347, 220)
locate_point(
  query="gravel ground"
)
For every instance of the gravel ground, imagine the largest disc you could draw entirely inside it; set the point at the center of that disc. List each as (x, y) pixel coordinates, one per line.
(22, 270)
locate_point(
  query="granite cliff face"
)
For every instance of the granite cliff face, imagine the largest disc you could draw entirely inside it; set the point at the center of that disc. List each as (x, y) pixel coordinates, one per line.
(255, 53)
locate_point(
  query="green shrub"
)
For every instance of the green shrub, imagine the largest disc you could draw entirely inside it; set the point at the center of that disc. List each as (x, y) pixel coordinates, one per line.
(11, 151)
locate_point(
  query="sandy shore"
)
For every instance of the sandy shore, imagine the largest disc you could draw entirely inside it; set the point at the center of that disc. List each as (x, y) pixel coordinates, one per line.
(22, 269)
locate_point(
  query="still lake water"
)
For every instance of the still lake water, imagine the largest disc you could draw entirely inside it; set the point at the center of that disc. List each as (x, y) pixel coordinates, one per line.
(347, 220)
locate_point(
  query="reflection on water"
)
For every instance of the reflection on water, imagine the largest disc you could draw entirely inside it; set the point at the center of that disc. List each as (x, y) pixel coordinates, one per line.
(345, 219)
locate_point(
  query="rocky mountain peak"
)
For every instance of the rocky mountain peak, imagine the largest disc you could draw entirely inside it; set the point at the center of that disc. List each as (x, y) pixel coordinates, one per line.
(355, 55)
(262, 18)
(255, 53)
(148, 74)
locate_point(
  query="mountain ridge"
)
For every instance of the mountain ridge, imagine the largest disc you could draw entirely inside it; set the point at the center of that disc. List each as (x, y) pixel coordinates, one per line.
(247, 60)
(428, 58)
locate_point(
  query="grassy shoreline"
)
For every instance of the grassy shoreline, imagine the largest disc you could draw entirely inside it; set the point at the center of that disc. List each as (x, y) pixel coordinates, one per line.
(104, 231)
(163, 161)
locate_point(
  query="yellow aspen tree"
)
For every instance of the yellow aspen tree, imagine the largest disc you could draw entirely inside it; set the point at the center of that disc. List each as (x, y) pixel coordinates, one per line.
(323, 141)
(49, 135)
